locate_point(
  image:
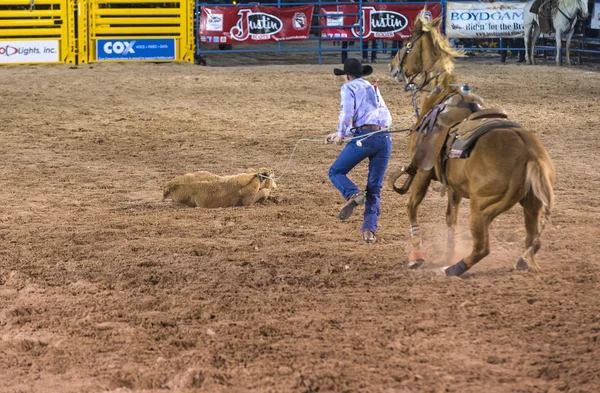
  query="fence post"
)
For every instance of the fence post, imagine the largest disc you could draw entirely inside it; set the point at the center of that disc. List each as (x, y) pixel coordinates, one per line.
(379, 43)
(443, 29)
(319, 33)
(360, 25)
(582, 43)
(197, 11)
(279, 42)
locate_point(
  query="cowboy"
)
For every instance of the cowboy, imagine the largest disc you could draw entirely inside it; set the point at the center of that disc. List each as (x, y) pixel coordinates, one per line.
(363, 114)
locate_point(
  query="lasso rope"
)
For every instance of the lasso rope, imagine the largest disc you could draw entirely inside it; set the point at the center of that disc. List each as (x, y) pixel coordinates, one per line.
(392, 128)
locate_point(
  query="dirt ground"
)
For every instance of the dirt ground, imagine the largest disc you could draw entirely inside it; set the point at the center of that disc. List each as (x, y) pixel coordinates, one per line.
(104, 287)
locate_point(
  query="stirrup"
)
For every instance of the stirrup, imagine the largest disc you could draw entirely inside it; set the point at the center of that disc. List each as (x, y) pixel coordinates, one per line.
(410, 171)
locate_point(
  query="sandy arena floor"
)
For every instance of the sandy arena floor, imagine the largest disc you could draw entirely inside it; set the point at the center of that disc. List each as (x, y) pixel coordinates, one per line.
(104, 287)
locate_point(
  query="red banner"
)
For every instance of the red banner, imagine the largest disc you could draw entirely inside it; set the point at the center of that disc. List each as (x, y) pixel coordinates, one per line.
(254, 24)
(381, 20)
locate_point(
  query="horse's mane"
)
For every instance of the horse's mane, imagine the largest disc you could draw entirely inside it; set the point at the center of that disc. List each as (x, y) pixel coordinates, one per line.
(441, 46)
(444, 90)
(444, 64)
(568, 3)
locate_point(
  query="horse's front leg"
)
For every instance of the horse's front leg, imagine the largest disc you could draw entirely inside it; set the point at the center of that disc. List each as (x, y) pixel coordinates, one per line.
(416, 195)
(451, 220)
(558, 38)
(569, 36)
(527, 38)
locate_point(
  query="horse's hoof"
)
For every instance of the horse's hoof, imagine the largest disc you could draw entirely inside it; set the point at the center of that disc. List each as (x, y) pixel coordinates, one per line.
(455, 270)
(442, 271)
(415, 264)
(521, 264)
(415, 255)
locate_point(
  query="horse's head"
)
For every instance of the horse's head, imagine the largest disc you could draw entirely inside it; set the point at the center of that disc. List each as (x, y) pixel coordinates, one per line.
(583, 9)
(426, 51)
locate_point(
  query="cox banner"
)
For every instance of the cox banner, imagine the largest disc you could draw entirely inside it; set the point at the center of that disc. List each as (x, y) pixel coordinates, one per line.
(136, 49)
(29, 51)
(254, 24)
(381, 20)
(476, 20)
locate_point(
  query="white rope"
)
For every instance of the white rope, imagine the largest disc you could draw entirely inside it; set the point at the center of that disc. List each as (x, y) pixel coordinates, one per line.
(361, 137)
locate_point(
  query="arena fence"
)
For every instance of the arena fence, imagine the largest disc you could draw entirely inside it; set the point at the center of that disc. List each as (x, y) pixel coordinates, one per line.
(81, 31)
(321, 44)
(318, 41)
(37, 32)
(582, 43)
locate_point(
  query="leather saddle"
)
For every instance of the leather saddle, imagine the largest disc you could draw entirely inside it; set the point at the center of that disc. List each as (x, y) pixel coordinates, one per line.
(450, 130)
(545, 9)
(463, 137)
(433, 130)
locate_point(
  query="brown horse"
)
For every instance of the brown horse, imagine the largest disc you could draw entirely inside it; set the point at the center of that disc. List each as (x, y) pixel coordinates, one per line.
(508, 164)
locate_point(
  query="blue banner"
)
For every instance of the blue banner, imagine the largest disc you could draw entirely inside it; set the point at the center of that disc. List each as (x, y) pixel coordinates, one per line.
(136, 49)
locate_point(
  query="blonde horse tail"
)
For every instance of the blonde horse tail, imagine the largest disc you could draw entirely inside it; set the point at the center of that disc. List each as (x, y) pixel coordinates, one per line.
(541, 180)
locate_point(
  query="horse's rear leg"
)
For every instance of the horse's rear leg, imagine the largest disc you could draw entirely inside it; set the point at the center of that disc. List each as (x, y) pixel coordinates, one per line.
(451, 220)
(417, 193)
(532, 210)
(537, 30)
(481, 244)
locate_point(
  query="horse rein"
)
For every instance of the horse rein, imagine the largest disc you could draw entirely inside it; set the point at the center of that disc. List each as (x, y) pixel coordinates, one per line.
(571, 19)
(409, 82)
(409, 46)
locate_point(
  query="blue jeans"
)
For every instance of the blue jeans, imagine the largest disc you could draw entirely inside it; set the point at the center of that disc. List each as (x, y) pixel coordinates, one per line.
(377, 149)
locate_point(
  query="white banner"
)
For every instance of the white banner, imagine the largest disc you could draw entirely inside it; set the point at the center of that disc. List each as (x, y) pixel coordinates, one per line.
(29, 51)
(484, 20)
(334, 19)
(595, 24)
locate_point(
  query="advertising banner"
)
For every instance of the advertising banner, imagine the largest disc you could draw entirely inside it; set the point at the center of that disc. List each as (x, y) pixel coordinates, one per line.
(29, 51)
(595, 22)
(381, 20)
(484, 20)
(254, 24)
(126, 49)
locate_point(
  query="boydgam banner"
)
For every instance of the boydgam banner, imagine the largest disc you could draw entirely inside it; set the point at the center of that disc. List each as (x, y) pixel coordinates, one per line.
(254, 24)
(595, 22)
(385, 21)
(29, 51)
(489, 20)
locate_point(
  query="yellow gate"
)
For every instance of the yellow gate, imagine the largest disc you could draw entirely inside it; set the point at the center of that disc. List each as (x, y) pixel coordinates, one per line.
(37, 32)
(81, 31)
(141, 30)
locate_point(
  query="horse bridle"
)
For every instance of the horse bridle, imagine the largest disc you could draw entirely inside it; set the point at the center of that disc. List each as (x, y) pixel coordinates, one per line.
(409, 82)
(409, 47)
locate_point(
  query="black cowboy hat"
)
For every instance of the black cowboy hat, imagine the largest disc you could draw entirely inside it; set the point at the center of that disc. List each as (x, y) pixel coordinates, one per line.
(354, 67)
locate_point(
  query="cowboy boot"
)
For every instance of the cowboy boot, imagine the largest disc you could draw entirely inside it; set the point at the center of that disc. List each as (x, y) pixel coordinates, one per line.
(369, 236)
(353, 201)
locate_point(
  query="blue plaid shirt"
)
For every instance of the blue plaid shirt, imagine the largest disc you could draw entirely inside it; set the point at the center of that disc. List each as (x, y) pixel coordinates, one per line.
(362, 104)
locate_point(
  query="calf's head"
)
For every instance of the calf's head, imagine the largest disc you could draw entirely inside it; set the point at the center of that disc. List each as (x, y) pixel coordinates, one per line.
(266, 178)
